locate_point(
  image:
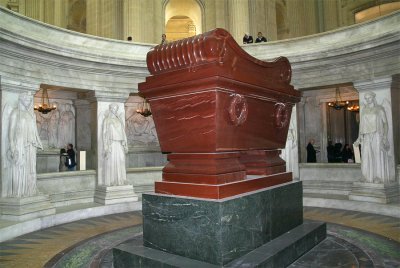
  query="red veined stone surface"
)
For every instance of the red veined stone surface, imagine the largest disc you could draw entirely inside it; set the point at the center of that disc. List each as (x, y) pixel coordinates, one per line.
(220, 113)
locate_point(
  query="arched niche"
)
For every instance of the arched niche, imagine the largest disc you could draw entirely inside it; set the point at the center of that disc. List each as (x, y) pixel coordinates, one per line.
(373, 12)
(179, 27)
(77, 16)
(183, 18)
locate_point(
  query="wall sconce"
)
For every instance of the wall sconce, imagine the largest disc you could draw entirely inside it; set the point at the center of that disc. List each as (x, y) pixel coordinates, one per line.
(353, 106)
(144, 108)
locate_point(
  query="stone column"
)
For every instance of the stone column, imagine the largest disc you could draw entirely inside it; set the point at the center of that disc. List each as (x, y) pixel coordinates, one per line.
(131, 20)
(20, 199)
(239, 19)
(35, 9)
(262, 18)
(270, 20)
(291, 151)
(49, 12)
(111, 17)
(83, 133)
(142, 20)
(210, 15)
(331, 16)
(111, 157)
(295, 16)
(93, 22)
(378, 99)
(310, 17)
(221, 16)
(60, 13)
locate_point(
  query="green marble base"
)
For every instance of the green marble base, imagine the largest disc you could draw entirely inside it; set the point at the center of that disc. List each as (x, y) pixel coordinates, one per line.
(219, 231)
(279, 252)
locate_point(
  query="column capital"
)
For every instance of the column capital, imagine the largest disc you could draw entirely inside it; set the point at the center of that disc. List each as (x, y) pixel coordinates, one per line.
(107, 96)
(373, 84)
(18, 86)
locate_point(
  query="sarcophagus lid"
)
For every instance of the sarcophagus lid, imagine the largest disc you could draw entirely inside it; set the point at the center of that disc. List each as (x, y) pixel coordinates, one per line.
(208, 95)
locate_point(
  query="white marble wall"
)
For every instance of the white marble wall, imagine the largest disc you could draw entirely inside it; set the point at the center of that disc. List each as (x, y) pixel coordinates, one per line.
(33, 54)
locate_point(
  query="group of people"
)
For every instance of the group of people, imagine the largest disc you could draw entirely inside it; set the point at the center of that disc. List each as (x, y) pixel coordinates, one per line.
(163, 39)
(248, 39)
(67, 158)
(337, 154)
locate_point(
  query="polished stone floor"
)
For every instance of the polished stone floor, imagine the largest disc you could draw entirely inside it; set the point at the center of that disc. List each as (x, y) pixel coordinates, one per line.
(354, 240)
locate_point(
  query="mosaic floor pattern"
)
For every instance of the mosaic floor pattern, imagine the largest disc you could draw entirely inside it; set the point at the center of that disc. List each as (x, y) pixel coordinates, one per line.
(354, 240)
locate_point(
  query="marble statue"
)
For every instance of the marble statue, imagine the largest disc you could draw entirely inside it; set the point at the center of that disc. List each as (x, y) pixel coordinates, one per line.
(115, 147)
(289, 154)
(66, 126)
(373, 138)
(53, 129)
(23, 143)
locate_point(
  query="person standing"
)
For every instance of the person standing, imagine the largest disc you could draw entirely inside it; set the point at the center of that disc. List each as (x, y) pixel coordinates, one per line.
(71, 160)
(347, 154)
(164, 40)
(311, 152)
(63, 160)
(331, 152)
(260, 38)
(247, 39)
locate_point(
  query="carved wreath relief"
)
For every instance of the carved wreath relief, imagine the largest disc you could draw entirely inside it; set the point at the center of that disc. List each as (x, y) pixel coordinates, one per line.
(281, 115)
(238, 109)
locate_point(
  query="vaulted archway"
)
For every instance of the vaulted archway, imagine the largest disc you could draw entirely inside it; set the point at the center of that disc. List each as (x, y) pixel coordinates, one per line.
(183, 18)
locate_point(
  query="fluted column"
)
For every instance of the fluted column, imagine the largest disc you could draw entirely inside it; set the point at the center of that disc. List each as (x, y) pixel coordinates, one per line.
(310, 17)
(150, 13)
(295, 16)
(49, 12)
(60, 14)
(239, 19)
(255, 24)
(330, 15)
(35, 9)
(221, 16)
(92, 17)
(158, 21)
(210, 14)
(111, 17)
(131, 20)
(271, 26)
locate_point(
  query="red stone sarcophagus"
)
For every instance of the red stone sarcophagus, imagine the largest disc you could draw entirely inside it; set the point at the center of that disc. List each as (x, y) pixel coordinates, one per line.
(221, 114)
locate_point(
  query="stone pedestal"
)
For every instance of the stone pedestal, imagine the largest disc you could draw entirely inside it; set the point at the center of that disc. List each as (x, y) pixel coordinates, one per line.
(219, 232)
(25, 208)
(108, 195)
(375, 192)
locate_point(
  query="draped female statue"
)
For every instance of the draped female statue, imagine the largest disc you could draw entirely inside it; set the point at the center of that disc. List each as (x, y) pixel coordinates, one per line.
(23, 143)
(374, 141)
(115, 147)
